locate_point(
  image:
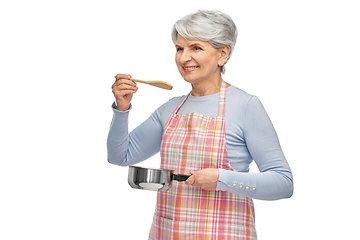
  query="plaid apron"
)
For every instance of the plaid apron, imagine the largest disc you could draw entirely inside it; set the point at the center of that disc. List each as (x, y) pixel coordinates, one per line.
(193, 142)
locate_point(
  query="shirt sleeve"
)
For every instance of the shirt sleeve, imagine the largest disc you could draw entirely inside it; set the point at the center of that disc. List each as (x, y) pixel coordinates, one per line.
(275, 179)
(126, 149)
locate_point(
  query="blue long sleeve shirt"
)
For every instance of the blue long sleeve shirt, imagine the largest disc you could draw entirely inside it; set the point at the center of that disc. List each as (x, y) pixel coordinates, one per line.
(250, 136)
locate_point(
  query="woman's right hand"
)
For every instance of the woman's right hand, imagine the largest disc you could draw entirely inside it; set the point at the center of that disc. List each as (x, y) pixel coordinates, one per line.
(123, 90)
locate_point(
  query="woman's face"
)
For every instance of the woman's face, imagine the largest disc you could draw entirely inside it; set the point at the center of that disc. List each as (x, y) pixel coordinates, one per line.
(197, 60)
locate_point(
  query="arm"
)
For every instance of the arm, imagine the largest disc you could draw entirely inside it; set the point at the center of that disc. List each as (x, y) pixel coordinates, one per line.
(127, 149)
(275, 178)
(143, 142)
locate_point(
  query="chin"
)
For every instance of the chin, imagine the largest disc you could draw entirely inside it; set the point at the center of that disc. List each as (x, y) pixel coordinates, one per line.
(190, 79)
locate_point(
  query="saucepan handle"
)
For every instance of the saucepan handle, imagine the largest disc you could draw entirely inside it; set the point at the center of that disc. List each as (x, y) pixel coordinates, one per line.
(180, 177)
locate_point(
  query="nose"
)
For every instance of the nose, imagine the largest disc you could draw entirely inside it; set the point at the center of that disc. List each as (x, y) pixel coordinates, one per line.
(185, 57)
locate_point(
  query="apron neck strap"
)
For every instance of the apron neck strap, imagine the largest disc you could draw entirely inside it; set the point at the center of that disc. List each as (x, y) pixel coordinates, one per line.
(221, 100)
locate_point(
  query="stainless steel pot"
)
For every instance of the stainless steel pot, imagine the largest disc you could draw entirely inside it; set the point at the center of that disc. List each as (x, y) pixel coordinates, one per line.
(153, 179)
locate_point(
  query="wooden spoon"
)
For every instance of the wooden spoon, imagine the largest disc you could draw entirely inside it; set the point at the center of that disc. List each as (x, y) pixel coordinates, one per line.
(159, 84)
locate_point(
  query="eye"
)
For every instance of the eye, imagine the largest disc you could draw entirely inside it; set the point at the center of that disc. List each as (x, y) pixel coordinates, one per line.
(179, 49)
(197, 48)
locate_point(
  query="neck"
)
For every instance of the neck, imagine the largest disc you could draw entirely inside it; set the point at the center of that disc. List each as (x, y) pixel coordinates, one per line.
(207, 87)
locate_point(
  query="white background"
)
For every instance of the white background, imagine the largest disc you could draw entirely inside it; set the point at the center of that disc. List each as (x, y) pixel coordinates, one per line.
(58, 61)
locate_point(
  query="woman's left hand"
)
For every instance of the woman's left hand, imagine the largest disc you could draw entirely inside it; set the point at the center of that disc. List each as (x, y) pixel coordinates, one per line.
(206, 179)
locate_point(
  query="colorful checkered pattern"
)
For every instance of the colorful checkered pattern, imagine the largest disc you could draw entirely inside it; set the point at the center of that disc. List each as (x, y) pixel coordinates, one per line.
(193, 142)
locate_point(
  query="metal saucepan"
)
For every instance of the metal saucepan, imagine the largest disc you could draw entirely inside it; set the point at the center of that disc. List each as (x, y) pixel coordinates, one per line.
(153, 179)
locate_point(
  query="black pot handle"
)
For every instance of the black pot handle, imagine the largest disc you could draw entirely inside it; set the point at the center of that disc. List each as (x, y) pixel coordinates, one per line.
(180, 177)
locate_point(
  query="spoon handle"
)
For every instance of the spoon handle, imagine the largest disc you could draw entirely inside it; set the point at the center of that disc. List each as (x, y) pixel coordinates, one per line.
(159, 84)
(137, 80)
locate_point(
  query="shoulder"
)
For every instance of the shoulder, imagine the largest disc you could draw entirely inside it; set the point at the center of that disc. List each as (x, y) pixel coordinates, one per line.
(238, 98)
(235, 90)
(240, 104)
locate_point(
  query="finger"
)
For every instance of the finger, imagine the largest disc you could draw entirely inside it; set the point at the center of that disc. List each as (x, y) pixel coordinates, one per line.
(125, 92)
(127, 81)
(190, 180)
(121, 88)
(122, 76)
(123, 83)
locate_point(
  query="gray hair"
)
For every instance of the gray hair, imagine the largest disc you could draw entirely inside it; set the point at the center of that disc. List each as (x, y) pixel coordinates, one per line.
(214, 27)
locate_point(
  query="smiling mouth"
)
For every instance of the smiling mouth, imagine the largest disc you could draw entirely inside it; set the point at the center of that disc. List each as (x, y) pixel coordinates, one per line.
(189, 68)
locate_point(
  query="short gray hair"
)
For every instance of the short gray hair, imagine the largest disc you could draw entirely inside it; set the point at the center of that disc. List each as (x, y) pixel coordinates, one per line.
(214, 27)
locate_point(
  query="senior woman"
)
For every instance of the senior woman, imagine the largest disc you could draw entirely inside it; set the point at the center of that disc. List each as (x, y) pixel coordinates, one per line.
(213, 133)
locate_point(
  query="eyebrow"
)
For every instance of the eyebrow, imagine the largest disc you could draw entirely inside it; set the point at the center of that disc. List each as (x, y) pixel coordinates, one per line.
(195, 44)
(192, 45)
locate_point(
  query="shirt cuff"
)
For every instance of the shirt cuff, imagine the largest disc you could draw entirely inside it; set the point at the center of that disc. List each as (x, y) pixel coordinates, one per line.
(115, 110)
(237, 182)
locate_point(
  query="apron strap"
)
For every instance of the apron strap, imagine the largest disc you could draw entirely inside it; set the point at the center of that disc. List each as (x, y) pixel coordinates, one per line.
(180, 105)
(222, 99)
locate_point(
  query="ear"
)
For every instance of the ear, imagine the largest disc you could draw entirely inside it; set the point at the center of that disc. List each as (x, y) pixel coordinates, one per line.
(224, 54)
